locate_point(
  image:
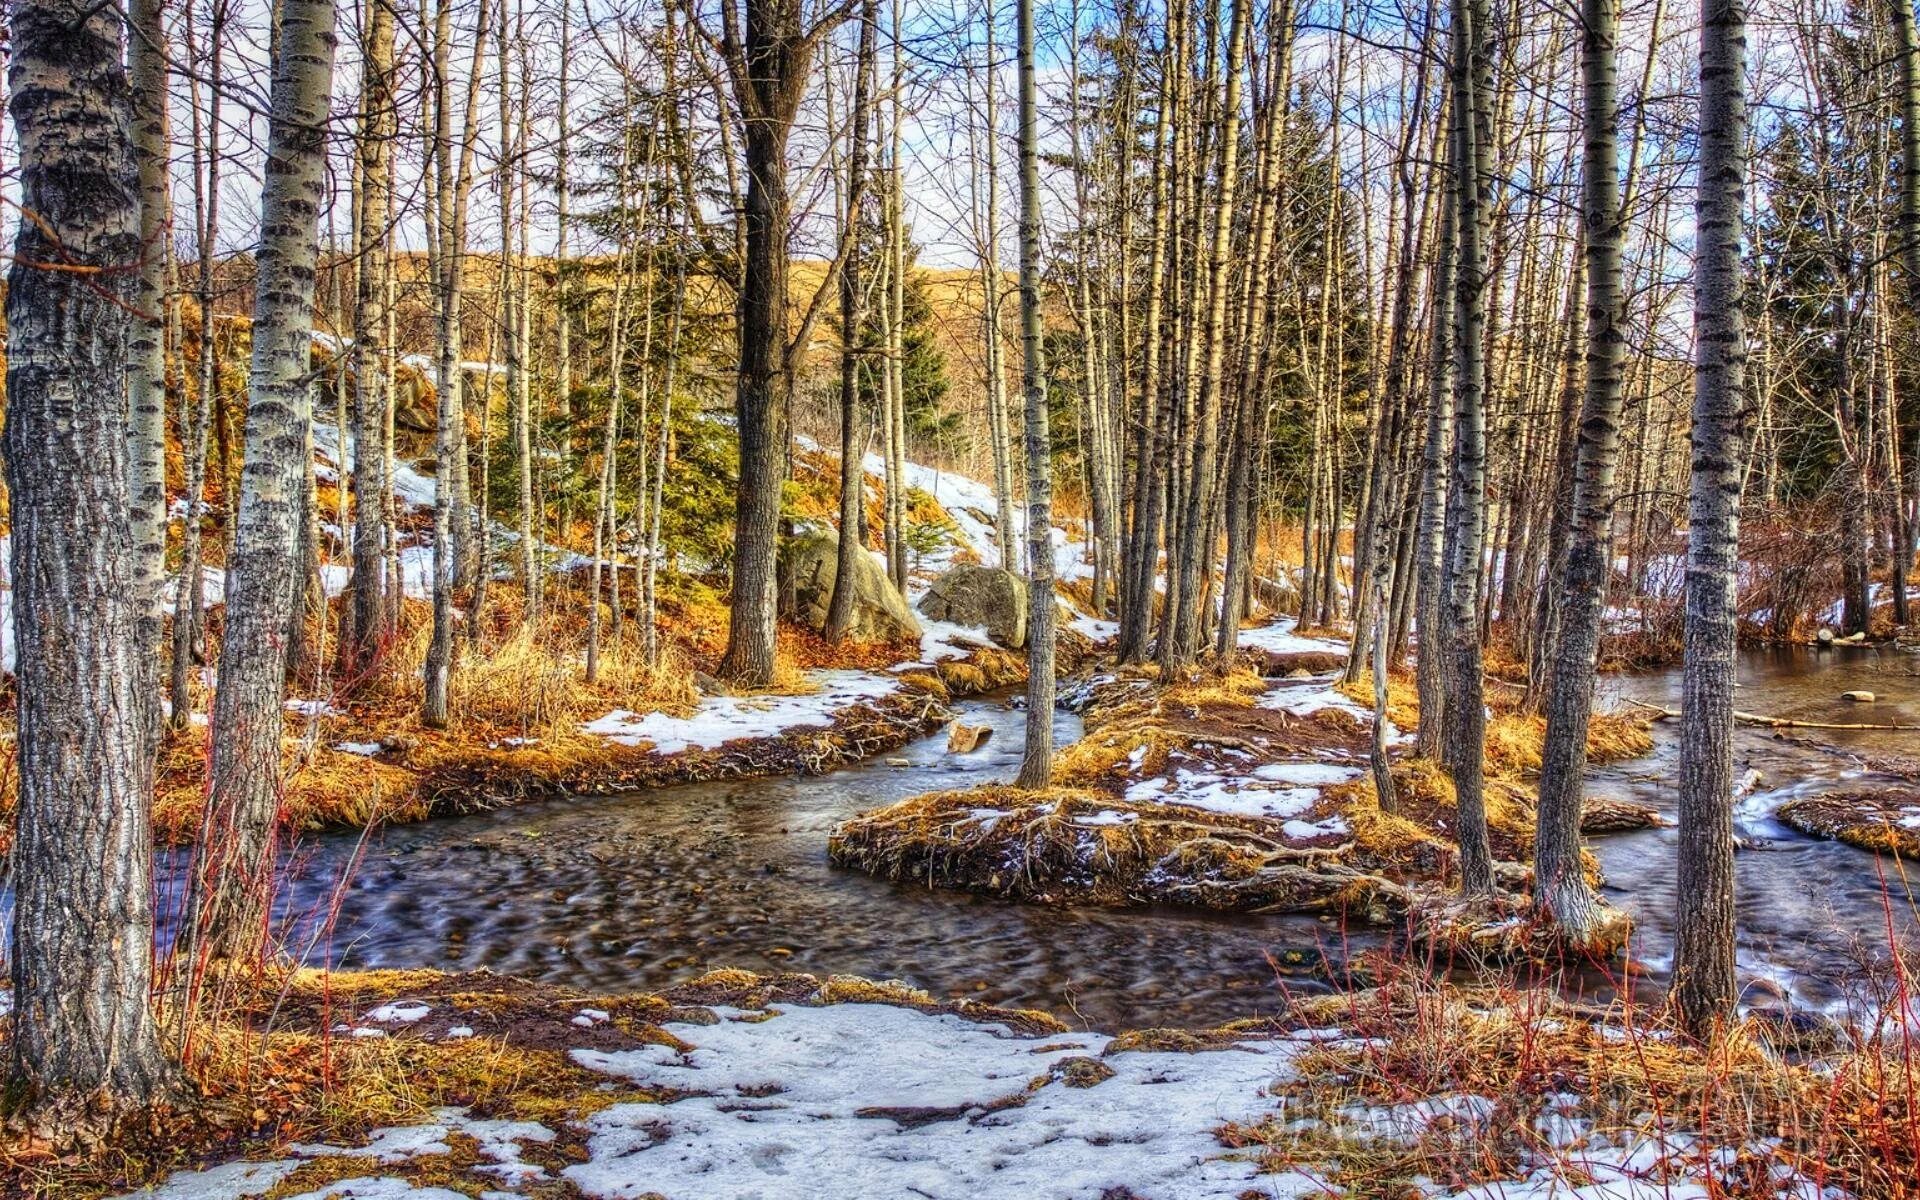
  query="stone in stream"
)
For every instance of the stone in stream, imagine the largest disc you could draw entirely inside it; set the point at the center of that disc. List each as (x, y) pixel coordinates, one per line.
(1858, 696)
(982, 597)
(965, 739)
(880, 612)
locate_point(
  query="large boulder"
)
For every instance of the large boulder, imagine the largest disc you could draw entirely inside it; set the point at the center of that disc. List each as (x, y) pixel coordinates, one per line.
(880, 612)
(984, 598)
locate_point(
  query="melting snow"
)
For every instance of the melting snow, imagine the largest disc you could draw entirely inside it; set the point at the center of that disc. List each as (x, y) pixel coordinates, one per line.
(722, 719)
(872, 1100)
(1280, 638)
(883, 1101)
(1233, 795)
(400, 1012)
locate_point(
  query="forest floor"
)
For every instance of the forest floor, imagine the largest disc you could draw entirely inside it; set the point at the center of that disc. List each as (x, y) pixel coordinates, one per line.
(419, 1086)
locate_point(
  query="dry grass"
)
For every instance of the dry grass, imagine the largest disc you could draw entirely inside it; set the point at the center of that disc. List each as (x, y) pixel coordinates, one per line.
(267, 1071)
(1064, 844)
(1740, 1109)
(1865, 818)
(1515, 740)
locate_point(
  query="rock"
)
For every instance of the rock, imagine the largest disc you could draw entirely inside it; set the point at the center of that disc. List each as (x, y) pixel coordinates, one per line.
(1825, 636)
(965, 739)
(1858, 696)
(880, 612)
(1299, 673)
(986, 597)
(707, 685)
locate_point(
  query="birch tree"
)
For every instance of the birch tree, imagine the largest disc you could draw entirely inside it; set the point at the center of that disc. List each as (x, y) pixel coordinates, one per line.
(1466, 716)
(235, 859)
(368, 604)
(1703, 987)
(84, 1052)
(1561, 894)
(1036, 765)
(147, 339)
(853, 475)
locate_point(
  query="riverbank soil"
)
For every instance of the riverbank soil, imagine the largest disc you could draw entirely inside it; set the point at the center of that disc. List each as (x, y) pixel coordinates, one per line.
(1228, 792)
(418, 1086)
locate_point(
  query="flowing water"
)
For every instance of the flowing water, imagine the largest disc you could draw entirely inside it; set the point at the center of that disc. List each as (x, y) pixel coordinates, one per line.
(1811, 912)
(637, 891)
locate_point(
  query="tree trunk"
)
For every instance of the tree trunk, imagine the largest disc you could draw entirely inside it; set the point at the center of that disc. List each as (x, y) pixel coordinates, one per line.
(195, 416)
(992, 285)
(1036, 766)
(453, 557)
(1703, 965)
(147, 344)
(1466, 717)
(1150, 467)
(513, 170)
(770, 73)
(1907, 43)
(853, 475)
(234, 862)
(84, 1051)
(1196, 548)
(1560, 891)
(367, 626)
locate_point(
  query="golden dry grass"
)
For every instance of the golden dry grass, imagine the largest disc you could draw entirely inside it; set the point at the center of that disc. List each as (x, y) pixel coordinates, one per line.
(1515, 740)
(1847, 1119)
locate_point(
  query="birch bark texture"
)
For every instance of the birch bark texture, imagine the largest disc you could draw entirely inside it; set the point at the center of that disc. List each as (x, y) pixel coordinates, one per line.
(1561, 894)
(1036, 765)
(84, 1051)
(1704, 983)
(234, 862)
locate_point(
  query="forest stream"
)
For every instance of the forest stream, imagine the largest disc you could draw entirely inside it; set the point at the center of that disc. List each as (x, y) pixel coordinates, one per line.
(636, 891)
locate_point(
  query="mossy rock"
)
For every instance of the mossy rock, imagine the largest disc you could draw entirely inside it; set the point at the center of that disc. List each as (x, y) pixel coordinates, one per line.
(880, 612)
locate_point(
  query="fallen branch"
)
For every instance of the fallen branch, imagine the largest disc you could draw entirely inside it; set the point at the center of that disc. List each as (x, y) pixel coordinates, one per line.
(1747, 718)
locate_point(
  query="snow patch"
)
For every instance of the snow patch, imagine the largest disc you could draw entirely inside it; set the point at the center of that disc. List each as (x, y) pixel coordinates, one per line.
(722, 719)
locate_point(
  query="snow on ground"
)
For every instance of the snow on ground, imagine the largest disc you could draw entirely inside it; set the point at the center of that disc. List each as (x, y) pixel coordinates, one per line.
(1280, 638)
(1304, 697)
(411, 486)
(722, 719)
(1092, 628)
(874, 1100)
(1238, 796)
(941, 640)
